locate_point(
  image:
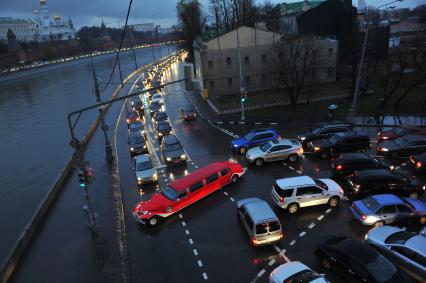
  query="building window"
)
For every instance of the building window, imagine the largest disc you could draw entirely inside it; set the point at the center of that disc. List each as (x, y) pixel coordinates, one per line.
(210, 64)
(263, 58)
(330, 71)
(228, 60)
(211, 84)
(330, 52)
(246, 60)
(264, 77)
(229, 82)
(247, 79)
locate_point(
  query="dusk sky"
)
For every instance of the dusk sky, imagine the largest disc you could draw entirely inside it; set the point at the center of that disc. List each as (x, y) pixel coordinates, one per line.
(92, 12)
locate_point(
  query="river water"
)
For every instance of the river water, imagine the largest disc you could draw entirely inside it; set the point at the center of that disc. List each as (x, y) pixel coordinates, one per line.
(34, 134)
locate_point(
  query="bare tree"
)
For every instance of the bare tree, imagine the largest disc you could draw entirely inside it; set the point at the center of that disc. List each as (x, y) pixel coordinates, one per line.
(295, 62)
(270, 14)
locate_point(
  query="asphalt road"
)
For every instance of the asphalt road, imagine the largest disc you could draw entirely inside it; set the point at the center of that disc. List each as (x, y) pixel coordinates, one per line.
(206, 240)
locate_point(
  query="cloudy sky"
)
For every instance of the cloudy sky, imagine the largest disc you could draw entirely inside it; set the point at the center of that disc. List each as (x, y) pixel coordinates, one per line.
(162, 12)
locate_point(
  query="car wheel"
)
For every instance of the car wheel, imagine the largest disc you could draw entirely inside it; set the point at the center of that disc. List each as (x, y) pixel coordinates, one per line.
(423, 220)
(379, 224)
(325, 155)
(333, 201)
(326, 263)
(242, 150)
(414, 195)
(293, 157)
(153, 221)
(258, 162)
(293, 208)
(234, 178)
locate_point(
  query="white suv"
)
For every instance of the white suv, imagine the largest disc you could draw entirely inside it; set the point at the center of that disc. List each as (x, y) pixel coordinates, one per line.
(296, 192)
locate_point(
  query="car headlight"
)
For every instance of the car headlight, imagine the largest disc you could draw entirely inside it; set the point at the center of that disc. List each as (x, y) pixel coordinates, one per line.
(143, 212)
(302, 138)
(384, 149)
(132, 149)
(171, 132)
(317, 148)
(160, 134)
(139, 179)
(155, 176)
(144, 146)
(183, 156)
(168, 159)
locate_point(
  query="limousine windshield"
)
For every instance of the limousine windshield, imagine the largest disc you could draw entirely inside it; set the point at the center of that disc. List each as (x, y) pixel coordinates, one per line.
(169, 193)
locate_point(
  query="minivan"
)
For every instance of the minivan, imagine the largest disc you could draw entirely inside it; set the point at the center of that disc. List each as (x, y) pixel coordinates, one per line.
(260, 221)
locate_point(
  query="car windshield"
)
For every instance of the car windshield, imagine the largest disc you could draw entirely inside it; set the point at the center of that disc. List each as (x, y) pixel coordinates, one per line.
(399, 238)
(400, 141)
(141, 166)
(163, 127)
(249, 136)
(172, 147)
(135, 126)
(136, 140)
(371, 203)
(321, 184)
(265, 147)
(304, 276)
(381, 269)
(169, 193)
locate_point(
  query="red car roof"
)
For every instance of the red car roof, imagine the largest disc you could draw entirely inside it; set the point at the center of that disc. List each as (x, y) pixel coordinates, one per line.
(198, 175)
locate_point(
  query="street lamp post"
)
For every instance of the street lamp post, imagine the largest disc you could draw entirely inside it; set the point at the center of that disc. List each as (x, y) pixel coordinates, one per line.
(242, 81)
(352, 110)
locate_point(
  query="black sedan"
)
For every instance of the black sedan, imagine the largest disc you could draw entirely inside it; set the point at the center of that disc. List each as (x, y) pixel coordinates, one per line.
(172, 150)
(187, 114)
(137, 144)
(419, 162)
(163, 129)
(323, 130)
(159, 117)
(357, 260)
(155, 107)
(346, 163)
(402, 146)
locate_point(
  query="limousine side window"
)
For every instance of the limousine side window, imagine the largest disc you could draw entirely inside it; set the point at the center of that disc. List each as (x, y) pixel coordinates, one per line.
(223, 172)
(196, 186)
(182, 194)
(212, 178)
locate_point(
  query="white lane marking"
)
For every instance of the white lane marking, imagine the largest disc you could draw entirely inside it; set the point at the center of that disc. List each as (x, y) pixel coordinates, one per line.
(302, 234)
(232, 199)
(285, 163)
(273, 123)
(180, 215)
(196, 166)
(205, 276)
(312, 225)
(320, 217)
(397, 167)
(277, 248)
(200, 263)
(285, 257)
(299, 172)
(283, 252)
(291, 167)
(195, 252)
(292, 242)
(160, 166)
(186, 232)
(190, 241)
(328, 210)
(271, 262)
(183, 223)
(261, 273)
(225, 193)
(403, 164)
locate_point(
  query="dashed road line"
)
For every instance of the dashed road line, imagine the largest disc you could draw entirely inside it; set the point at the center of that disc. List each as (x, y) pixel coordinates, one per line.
(299, 172)
(312, 225)
(186, 232)
(200, 263)
(190, 241)
(225, 193)
(320, 217)
(271, 262)
(328, 210)
(205, 276)
(291, 167)
(303, 233)
(195, 252)
(232, 199)
(183, 223)
(261, 273)
(292, 243)
(277, 248)
(180, 215)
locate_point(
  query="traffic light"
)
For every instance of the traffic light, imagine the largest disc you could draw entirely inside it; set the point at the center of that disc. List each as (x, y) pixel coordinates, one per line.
(82, 178)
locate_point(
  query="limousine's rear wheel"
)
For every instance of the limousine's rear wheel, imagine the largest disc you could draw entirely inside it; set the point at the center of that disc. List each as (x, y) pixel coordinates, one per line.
(242, 150)
(153, 221)
(258, 162)
(414, 195)
(234, 178)
(333, 202)
(293, 157)
(293, 208)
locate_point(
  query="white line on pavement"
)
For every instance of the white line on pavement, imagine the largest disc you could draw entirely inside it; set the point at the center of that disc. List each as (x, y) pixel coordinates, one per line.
(200, 263)
(328, 210)
(292, 242)
(302, 234)
(195, 252)
(282, 254)
(186, 232)
(183, 223)
(277, 248)
(205, 276)
(232, 199)
(225, 193)
(320, 217)
(261, 273)
(291, 167)
(190, 241)
(312, 225)
(180, 215)
(299, 172)
(271, 262)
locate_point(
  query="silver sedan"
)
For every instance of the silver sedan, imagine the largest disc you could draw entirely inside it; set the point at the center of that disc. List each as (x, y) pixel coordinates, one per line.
(281, 149)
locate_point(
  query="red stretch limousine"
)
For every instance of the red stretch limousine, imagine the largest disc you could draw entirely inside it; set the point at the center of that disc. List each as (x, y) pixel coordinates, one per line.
(187, 190)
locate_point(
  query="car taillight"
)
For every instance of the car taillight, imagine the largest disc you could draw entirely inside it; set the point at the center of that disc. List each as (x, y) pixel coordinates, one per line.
(253, 241)
(186, 116)
(195, 114)
(281, 199)
(300, 150)
(317, 148)
(419, 164)
(339, 167)
(128, 120)
(363, 217)
(138, 118)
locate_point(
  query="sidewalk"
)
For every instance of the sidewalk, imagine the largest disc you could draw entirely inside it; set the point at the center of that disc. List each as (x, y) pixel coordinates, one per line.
(63, 250)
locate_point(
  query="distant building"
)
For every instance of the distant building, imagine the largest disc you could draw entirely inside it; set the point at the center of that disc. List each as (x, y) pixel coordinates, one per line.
(144, 27)
(24, 30)
(217, 63)
(47, 28)
(289, 13)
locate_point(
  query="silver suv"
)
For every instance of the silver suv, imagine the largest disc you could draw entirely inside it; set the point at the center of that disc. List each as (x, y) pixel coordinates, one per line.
(405, 249)
(296, 192)
(281, 149)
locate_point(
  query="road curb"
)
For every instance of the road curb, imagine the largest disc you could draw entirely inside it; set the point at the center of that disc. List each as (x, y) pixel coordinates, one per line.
(24, 240)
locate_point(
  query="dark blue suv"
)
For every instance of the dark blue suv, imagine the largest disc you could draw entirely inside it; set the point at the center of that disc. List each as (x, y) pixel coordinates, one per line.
(254, 138)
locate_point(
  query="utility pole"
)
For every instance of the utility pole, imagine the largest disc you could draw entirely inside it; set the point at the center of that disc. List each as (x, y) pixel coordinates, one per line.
(108, 148)
(242, 80)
